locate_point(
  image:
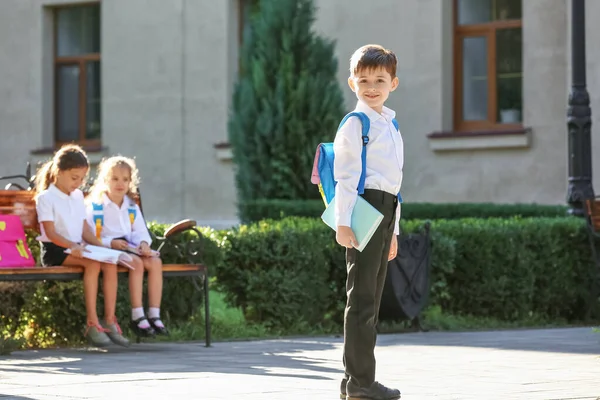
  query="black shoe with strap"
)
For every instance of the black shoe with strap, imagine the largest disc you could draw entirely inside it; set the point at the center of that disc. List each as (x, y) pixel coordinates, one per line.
(139, 331)
(374, 392)
(161, 330)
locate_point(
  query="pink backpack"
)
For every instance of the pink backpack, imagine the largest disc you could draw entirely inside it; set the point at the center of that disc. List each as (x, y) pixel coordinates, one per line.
(14, 251)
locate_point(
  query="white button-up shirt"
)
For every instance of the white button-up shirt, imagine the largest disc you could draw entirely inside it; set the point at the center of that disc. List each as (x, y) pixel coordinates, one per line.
(117, 223)
(385, 160)
(66, 211)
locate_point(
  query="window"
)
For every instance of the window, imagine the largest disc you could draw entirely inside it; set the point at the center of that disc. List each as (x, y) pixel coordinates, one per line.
(77, 104)
(246, 9)
(488, 64)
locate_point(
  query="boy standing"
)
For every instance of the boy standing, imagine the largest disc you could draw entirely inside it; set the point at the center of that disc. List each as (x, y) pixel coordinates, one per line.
(372, 78)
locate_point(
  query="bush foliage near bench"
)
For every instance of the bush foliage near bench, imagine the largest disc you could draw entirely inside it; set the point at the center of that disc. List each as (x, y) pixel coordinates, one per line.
(290, 273)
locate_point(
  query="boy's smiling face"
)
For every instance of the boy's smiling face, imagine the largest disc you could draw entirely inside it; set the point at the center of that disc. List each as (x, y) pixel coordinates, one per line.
(373, 86)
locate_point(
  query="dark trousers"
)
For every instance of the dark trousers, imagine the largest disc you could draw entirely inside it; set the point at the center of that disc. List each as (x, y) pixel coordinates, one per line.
(364, 287)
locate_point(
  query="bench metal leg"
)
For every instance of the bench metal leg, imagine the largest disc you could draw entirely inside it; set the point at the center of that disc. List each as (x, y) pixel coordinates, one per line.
(206, 311)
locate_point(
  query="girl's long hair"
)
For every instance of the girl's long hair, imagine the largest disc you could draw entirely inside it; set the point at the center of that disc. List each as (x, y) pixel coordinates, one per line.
(103, 175)
(69, 156)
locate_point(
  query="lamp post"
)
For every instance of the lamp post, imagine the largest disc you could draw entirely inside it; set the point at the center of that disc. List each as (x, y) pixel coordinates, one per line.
(579, 118)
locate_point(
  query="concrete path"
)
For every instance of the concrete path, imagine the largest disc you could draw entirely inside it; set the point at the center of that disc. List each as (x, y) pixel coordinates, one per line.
(526, 365)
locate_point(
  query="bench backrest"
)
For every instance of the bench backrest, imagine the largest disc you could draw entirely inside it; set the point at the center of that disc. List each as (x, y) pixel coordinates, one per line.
(593, 211)
(22, 203)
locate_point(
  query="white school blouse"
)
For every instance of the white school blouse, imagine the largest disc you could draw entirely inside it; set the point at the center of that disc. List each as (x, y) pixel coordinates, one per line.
(67, 211)
(117, 223)
(385, 160)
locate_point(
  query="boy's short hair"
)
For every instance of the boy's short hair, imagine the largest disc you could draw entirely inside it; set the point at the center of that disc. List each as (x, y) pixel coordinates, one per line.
(372, 56)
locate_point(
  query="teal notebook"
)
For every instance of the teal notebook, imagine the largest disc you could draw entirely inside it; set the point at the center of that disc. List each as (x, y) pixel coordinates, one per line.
(365, 220)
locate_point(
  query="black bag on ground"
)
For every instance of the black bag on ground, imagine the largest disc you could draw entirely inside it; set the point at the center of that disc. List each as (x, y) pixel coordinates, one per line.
(408, 281)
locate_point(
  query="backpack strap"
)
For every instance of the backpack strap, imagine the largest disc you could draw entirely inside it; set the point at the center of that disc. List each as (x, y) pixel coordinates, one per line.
(366, 126)
(132, 212)
(98, 214)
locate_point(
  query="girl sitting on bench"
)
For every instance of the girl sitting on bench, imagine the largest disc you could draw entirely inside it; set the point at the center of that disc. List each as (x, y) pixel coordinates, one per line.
(62, 217)
(118, 222)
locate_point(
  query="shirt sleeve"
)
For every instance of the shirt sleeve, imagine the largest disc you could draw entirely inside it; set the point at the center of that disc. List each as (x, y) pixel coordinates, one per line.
(139, 231)
(44, 208)
(397, 224)
(347, 167)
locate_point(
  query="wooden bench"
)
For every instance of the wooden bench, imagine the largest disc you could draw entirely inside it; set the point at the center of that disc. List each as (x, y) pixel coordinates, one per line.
(21, 202)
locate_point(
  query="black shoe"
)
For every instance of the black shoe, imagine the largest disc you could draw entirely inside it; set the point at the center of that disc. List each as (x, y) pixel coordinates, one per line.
(141, 332)
(161, 330)
(375, 392)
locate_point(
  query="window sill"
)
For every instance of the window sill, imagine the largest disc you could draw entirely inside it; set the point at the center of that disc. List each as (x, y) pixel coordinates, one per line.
(480, 140)
(94, 153)
(223, 151)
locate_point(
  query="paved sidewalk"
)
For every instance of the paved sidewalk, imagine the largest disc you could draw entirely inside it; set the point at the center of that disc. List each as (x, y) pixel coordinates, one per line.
(525, 365)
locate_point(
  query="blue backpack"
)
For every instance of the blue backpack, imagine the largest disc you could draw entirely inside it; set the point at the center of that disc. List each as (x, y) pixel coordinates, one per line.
(322, 172)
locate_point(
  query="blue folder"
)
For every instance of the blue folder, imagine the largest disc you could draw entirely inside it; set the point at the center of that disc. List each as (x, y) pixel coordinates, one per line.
(364, 222)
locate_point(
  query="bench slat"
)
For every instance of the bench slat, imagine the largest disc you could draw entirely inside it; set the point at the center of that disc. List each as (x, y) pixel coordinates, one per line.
(79, 270)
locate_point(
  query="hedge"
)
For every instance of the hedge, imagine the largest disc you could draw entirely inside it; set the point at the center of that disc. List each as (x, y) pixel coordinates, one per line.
(509, 269)
(289, 272)
(253, 211)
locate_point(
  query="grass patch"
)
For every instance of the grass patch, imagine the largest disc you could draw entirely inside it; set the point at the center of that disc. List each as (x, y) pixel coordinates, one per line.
(226, 323)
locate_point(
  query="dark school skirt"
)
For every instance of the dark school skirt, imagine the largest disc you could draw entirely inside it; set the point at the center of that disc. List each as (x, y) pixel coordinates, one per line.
(52, 255)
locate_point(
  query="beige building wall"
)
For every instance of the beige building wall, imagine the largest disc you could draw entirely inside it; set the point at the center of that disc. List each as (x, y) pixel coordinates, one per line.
(168, 70)
(166, 98)
(420, 32)
(166, 83)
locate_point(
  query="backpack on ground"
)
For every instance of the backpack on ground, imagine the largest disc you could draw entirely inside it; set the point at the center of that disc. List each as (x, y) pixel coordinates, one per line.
(14, 251)
(322, 172)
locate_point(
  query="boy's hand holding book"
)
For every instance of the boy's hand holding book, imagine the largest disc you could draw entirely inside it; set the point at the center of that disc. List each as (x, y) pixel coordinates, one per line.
(345, 237)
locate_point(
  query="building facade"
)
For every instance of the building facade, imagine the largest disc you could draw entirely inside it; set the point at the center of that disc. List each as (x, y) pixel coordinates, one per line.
(481, 102)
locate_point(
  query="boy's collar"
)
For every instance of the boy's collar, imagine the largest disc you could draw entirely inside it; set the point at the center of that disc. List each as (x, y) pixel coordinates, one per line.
(373, 115)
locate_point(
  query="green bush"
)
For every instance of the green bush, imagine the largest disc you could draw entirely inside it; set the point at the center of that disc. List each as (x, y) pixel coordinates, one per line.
(480, 210)
(273, 271)
(290, 273)
(256, 210)
(286, 102)
(506, 269)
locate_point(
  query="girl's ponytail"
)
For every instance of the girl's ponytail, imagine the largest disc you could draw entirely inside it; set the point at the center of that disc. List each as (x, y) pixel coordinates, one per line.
(43, 178)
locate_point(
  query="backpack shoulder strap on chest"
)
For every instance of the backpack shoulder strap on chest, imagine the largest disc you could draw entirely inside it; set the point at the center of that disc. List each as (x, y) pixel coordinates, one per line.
(132, 212)
(366, 126)
(98, 216)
